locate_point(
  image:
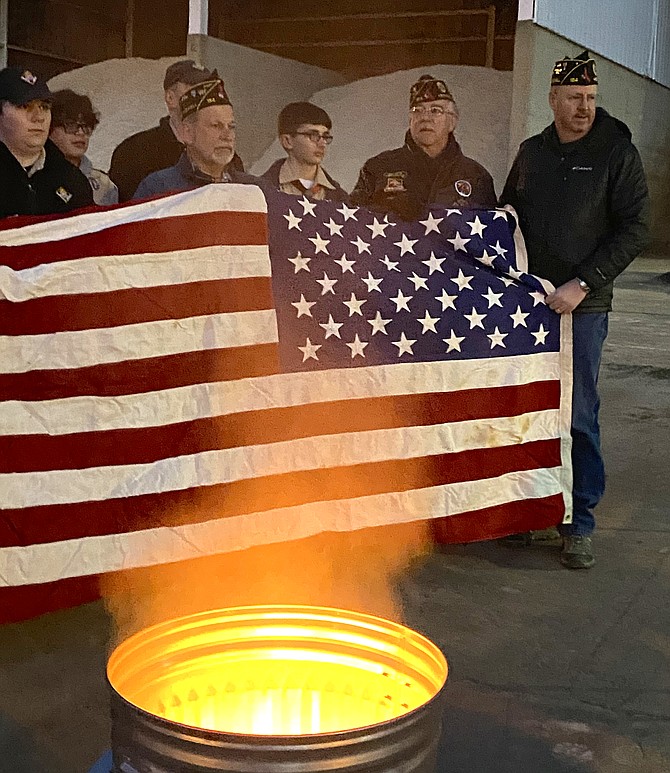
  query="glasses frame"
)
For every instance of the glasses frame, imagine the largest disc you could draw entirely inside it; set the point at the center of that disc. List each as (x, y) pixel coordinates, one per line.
(73, 127)
(433, 111)
(314, 136)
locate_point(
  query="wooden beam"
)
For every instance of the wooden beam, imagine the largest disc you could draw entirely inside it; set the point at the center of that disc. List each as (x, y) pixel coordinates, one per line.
(397, 42)
(360, 16)
(47, 54)
(490, 34)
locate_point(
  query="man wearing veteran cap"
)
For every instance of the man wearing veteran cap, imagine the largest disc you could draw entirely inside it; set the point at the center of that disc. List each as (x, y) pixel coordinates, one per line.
(35, 177)
(581, 195)
(208, 133)
(160, 147)
(430, 168)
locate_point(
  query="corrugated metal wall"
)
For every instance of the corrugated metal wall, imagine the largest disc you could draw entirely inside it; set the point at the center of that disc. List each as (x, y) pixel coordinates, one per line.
(634, 34)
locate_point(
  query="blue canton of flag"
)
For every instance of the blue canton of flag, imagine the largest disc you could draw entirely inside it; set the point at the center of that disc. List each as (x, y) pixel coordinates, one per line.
(358, 288)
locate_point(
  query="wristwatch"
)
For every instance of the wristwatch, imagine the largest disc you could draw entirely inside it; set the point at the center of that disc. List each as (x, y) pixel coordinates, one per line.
(584, 285)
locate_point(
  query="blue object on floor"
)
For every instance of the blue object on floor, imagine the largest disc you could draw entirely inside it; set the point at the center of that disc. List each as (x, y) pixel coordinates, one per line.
(104, 764)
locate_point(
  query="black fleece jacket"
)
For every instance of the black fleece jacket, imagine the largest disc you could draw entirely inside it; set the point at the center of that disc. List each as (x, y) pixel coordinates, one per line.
(582, 206)
(405, 180)
(57, 188)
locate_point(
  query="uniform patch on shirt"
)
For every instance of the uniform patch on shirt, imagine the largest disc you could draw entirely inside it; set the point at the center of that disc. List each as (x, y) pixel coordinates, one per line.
(463, 188)
(395, 182)
(64, 194)
(28, 77)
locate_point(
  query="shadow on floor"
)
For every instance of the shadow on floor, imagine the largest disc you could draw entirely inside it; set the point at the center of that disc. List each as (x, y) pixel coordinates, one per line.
(474, 742)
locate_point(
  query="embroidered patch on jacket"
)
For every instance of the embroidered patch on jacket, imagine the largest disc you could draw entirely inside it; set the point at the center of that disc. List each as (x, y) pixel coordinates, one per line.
(463, 188)
(64, 194)
(28, 77)
(395, 182)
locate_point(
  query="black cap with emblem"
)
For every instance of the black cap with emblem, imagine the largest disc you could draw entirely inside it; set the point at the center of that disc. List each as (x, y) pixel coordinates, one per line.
(428, 89)
(20, 86)
(578, 70)
(210, 92)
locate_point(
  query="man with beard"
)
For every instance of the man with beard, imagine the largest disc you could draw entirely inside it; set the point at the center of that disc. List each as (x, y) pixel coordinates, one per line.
(160, 147)
(580, 192)
(430, 168)
(208, 132)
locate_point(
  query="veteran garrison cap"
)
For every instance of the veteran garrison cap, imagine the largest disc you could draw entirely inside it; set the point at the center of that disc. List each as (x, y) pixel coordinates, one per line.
(205, 94)
(20, 86)
(428, 89)
(578, 70)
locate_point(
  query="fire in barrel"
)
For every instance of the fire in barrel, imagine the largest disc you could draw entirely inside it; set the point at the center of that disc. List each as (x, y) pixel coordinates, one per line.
(275, 688)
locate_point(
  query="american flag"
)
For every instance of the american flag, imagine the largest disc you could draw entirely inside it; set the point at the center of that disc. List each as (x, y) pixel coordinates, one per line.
(222, 368)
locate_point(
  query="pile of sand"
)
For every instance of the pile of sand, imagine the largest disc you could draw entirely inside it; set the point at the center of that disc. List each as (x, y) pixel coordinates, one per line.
(369, 115)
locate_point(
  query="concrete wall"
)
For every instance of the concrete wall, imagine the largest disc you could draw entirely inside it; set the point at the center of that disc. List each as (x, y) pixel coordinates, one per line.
(634, 34)
(259, 85)
(643, 104)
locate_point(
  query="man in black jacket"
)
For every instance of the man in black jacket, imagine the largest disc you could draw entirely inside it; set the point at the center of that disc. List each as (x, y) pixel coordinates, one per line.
(35, 178)
(160, 147)
(430, 168)
(580, 192)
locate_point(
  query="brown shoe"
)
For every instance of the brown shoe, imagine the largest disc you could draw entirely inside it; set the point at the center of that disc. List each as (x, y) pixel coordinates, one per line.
(550, 536)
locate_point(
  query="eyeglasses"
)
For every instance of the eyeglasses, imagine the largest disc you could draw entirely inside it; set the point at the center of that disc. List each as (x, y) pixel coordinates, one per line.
(433, 111)
(315, 136)
(72, 127)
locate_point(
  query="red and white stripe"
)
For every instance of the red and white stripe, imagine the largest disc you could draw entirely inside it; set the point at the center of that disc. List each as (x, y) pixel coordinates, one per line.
(144, 418)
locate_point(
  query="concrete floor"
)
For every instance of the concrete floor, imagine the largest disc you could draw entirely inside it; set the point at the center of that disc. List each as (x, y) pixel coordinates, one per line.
(551, 671)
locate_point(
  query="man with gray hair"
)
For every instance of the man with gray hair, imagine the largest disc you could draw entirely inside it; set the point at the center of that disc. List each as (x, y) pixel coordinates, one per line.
(208, 132)
(160, 147)
(430, 168)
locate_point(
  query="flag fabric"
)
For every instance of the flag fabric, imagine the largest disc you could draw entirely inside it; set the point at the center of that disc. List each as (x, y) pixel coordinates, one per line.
(221, 368)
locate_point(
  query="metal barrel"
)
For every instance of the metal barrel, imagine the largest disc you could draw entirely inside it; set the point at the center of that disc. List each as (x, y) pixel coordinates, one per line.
(373, 689)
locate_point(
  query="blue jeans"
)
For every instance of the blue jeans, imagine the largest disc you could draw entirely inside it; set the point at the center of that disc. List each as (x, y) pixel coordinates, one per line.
(589, 331)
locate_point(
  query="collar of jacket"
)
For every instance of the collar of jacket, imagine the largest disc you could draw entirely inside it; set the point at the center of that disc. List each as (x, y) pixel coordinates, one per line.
(85, 166)
(36, 166)
(606, 130)
(451, 149)
(164, 125)
(195, 175)
(288, 174)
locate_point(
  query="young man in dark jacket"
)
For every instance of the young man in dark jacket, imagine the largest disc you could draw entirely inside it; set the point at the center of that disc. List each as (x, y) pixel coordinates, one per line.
(580, 192)
(160, 147)
(35, 178)
(304, 132)
(430, 168)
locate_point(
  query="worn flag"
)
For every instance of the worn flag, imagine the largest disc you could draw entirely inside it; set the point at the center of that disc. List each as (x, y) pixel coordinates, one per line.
(220, 369)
